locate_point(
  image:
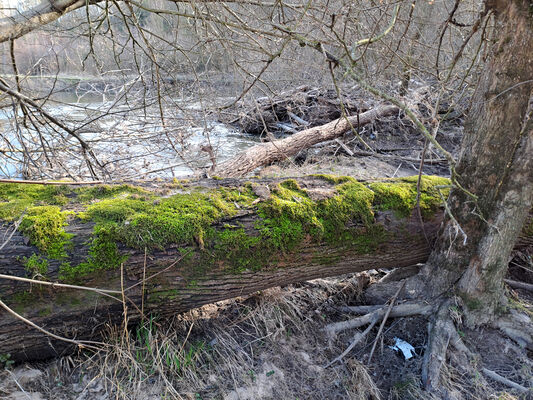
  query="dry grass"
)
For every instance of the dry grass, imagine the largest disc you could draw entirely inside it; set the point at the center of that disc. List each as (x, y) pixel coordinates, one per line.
(269, 345)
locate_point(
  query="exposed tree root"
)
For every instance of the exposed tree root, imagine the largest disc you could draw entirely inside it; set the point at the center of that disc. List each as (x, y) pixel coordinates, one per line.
(444, 342)
(518, 327)
(356, 339)
(498, 378)
(442, 333)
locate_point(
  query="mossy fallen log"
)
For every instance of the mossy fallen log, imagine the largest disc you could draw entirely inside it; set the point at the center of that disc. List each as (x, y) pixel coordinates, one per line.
(193, 243)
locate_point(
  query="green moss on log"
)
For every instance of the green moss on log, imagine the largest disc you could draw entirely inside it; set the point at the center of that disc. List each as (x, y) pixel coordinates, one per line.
(36, 265)
(45, 227)
(15, 198)
(125, 216)
(334, 179)
(399, 195)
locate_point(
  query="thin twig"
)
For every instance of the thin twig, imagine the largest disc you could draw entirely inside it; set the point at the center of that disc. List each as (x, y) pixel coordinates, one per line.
(498, 378)
(15, 227)
(63, 285)
(80, 343)
(356, 339)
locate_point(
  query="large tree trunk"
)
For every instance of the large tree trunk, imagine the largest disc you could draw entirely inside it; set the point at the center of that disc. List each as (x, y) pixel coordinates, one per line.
(279, 150)
(495, 164)
(234, 257)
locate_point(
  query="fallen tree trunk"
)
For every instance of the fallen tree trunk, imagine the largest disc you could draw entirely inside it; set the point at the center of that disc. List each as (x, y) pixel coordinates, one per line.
(267, 153)
(182, 245)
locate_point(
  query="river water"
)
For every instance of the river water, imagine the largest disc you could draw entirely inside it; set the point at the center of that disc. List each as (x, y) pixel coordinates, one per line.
(128, 139)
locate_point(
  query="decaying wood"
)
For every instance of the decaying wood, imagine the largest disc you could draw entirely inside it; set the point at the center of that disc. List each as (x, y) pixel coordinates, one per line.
(289, 112)
(169, 287)
(267, 153)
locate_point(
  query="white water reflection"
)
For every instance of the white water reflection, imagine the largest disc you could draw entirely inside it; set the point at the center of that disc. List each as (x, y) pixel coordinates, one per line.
(130, 144)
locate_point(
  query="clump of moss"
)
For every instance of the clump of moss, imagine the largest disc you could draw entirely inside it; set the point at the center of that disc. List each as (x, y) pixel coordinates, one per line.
(353, 203)
(114, 210)
(180, 219)
(44, 225)
(36, 265)
(334, 179)
(399, 195)
(287, 216)
(103, 255)
(235, 247)
(290, 215)
(15, 198)
(100, 192)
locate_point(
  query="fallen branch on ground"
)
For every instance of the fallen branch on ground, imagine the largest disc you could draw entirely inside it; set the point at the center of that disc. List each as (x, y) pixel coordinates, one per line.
(401, 310)
(498, 378)
(519, 285)
(267, 153)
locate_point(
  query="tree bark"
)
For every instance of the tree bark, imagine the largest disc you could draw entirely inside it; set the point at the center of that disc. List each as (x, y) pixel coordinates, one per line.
(496, 165)
(268, 153)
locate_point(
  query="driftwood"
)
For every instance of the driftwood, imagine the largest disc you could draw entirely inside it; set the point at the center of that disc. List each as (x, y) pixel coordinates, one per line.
(267, 153)
(290, 112)
(177, 278)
